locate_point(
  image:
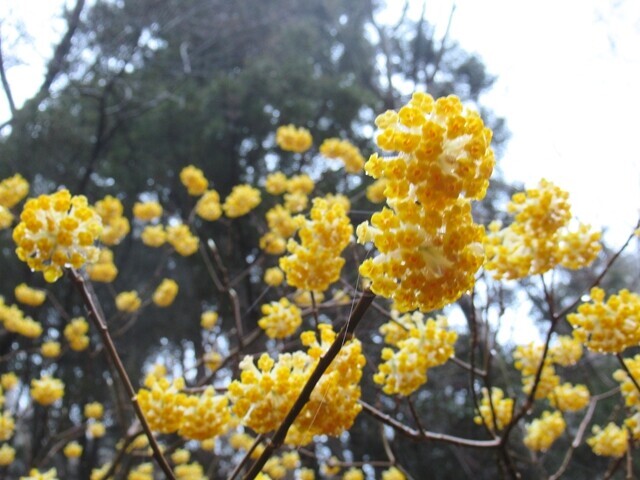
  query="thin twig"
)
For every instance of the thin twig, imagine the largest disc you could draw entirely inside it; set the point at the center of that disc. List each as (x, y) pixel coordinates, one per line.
(95, 313)
(246, 458)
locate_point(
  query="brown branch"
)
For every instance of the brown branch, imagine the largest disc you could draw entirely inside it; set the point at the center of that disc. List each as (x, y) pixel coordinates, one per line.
(346, 332)
(95, 313)
(426, 435)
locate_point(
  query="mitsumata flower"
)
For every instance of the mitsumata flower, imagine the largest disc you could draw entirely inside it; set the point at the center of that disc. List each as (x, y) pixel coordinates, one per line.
(115, 226)
(541, 236)
(293, 139)
(612, 441)
(428, 246)
(315, 263)
(502, 407)
(608, 327)
(195, 181)
(241, 200)
(345, 151)
(30, 296)
(543, 431)
(280, 319)
(57, 231)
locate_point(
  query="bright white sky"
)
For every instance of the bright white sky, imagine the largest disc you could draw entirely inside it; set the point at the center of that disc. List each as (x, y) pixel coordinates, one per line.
(568, 77)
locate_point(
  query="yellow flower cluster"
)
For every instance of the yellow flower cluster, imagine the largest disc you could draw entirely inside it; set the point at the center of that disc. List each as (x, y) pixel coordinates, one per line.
(569, 398)
(540, 237)
(629, 391)
(144, 471)
(295, 202)
(527, 360)
(315, 263)
(353, 474)
(427, 344)
(14, 320)
(241, 200)
(35, 474)
(7, 425)
(542, 432)
(115, 226)
(273, 276)
(195, 181)
(46, 390)
(169, 410)
(7, 455)
(566, 351)
(393, 474)
(208, 319)
(165, 293)
(300, 184)
(155, 236)
(293, 139)
(281, 227)
(147, 211)
(76, 334)
(12, 191)
(503, 408)
(104, 270)
(180, 237)
(8, 381)
(190, 471)
(429, 248)
(30, 296)
(612, 441)
(608, 327)
(276, 183)
(280, 319)
(265, 393)
(208, 206)
(345, 151)
(72, 450)
(633, 424)
(128, 302)
(180, 456)
(57, 231)
(50, 349)
(94, 410)
(205, 416)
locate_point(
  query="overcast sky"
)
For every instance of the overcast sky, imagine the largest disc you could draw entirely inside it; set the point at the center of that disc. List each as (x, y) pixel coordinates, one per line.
(568, 76)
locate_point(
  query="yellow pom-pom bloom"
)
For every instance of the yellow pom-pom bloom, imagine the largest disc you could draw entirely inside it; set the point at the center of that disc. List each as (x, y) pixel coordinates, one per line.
(181, 456)
(241, 200)
(295, 202)
(7, 425)
(154, 236)
(72, 450)
(612, 441)
(569, 398)
(46, 390)
(128, 301)
(276, 183)
(180, 237)
(429, 343)
(147, 211)
(393, 474)
(208, 207)
(541, 236)
(7, 455)
(190, 471)
(94, 410)
(281, 222)
(195, 181)
(6, 218)
(293, 139)
(375, 191)
(542, 432)
(35, 474)
(315, 263)
(104, 270)
(611, 326)
(144, 471)
(163, 403)
(566, 352)
(628, 389)
(30, 296)
(8, 380)
(166, 293)
(57, 231)
(345, 151)
(280, 319)
(50, 349)
(273, 276)
(527, 360)
(272, 243)
(14, 320)
(290, 460)
(205, 416)
(13, 190)
(115, 226)
(76, 334)
(300, 184)
(208, 320)
(503, 408)
(96, 430)
(353, 474)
